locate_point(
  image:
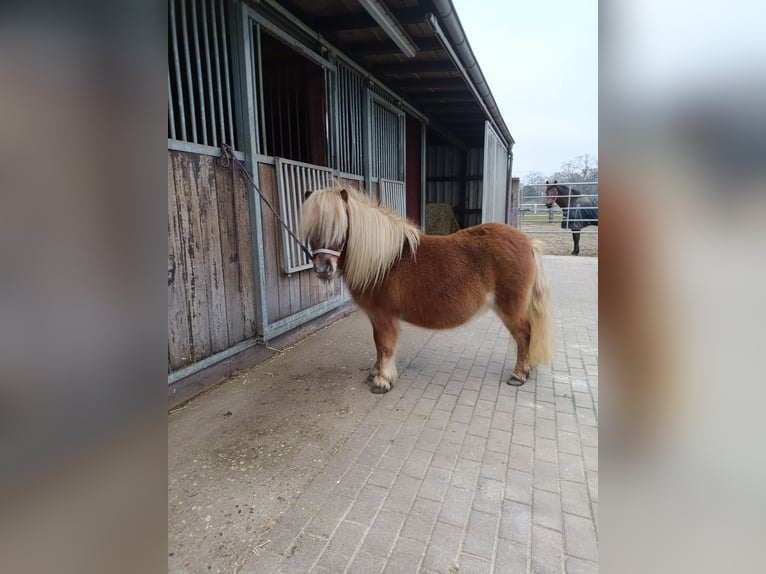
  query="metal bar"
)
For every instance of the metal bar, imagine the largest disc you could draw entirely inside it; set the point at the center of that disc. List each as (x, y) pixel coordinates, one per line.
(262, 97)
(295, 44)
(208, 69)
(423, 168)
(177, 63)
(224, 38)
(344, 139)
(171, 112)
(176, 376)
(200, 83)
(218, 81)
(200, 149)
(366, 126)
(192, 110)
(301, 317)
(250, 143)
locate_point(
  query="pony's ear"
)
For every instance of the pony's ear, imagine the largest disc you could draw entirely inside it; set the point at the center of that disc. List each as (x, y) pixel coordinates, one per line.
(555, 181)
(546, 182)
(307, 194)
(344, 194)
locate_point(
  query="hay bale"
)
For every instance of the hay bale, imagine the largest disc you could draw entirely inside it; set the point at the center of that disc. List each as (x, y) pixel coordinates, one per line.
(440, 219)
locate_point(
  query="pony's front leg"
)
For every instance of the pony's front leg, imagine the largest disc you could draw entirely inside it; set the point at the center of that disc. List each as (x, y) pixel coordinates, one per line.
(576, 240)
(386, 334)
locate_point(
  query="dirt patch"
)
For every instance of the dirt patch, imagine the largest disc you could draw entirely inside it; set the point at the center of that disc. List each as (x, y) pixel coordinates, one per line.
(241, 455)
(559, 241)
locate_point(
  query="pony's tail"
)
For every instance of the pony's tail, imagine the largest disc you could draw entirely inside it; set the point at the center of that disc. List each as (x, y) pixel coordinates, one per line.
(540, 314)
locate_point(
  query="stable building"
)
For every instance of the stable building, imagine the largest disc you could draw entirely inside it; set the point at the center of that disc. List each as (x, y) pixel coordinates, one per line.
(383, 95)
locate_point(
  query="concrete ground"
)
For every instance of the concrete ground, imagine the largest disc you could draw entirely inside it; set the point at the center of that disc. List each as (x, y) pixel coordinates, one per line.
(294, 466)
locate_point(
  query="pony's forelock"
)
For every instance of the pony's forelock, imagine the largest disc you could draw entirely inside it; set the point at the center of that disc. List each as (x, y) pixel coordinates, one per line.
(323, 218)
(376, 235)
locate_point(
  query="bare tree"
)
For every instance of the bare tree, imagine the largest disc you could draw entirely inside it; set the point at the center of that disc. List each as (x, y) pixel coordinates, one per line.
(582, 168)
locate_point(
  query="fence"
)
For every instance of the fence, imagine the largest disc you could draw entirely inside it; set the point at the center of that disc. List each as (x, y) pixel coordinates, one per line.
(536, 217)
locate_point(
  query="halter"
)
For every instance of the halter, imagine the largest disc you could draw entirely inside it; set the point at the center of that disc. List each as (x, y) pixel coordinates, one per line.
(329, 251)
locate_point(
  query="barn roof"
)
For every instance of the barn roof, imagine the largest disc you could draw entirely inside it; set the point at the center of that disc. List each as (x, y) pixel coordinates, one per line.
(419, 50)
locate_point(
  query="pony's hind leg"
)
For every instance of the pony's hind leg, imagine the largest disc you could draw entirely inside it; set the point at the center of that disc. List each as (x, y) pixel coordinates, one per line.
(385, 331)
(520, 331)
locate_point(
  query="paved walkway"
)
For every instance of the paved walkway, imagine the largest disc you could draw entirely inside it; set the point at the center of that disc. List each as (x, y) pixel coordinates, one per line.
(454, 471)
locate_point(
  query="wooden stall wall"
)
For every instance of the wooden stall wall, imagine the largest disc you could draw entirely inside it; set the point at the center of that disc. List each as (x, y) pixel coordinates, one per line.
(211, 290)
(286, 294)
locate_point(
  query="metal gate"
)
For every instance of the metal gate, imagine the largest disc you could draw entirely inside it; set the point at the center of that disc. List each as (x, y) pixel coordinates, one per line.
(387, 152)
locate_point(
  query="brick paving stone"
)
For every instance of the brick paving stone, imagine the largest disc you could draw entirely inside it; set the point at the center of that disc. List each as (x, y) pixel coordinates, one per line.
(546, 509)
(499, 441)
(405, 557)
(441, 553)
(473, 447)
(515, 522)
(465, 473)
(479, 426)
(574, 498)
(337, 554)
(456, 506)
(523, 435)
(480, 536)
(403, 492)
(366, 563)
(472, 565)
(302, 554)
(435, 484)
(494, 465)
(546, 476)
(510, 557)
(547, 551)
(520, 458)
(383, 533)
(367, 504)
(518, 486)
(578, 566)
(571, 467)
(421, 519)
(488, 496)
(580, 536)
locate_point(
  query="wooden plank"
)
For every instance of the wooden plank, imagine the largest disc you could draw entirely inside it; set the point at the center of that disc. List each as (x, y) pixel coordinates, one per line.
(268, 184)
(185, 176)
(211, 241)
(179, 342)
(235, 313)
(245, 255)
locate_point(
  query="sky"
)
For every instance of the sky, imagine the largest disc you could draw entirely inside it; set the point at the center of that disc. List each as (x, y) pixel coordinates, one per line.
(540, 59)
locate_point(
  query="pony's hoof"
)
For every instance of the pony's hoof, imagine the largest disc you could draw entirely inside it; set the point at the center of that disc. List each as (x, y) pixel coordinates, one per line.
(516, 381)
(575, 253)
(380, 385)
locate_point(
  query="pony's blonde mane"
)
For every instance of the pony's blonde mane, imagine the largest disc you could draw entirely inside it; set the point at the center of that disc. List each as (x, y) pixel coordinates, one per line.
(376, 235)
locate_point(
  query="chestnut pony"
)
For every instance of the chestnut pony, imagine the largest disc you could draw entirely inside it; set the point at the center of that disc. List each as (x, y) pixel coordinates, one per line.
(396, 273)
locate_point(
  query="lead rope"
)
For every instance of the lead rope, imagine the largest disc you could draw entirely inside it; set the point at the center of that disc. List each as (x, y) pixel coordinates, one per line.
(227, 155)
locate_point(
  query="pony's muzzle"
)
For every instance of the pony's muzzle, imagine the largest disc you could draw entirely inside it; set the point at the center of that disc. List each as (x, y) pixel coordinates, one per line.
(325, 265)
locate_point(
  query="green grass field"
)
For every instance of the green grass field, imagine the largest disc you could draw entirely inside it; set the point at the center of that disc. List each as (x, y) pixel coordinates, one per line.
(541, 216)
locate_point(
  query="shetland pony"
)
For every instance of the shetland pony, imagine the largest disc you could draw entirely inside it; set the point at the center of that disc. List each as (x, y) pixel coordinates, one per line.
(579, 211)
(396, 273)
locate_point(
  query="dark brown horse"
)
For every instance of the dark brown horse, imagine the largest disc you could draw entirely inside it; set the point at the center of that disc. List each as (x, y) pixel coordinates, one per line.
(579, 211)
(396, 273)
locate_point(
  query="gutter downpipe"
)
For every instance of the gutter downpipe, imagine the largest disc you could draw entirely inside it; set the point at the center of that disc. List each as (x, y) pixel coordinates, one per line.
(471, 70)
